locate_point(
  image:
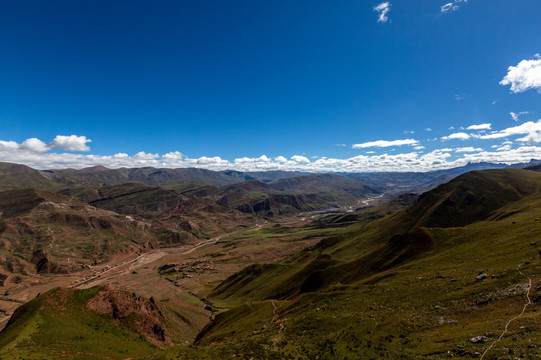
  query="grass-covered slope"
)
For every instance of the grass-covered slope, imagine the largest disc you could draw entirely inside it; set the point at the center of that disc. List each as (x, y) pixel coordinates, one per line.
(470, 197)
(65, 324)
(294, 195)
(15, 176)
(18, 202)
(100, 175)
(136, 199)
(412, 279)
(392, 240)
(417, 293)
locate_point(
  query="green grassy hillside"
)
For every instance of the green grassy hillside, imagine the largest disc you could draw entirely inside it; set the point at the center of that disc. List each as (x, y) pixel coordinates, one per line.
(59, 324)
(414, 294)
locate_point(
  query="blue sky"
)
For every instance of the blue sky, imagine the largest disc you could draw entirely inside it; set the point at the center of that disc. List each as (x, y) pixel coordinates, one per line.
(249, 85)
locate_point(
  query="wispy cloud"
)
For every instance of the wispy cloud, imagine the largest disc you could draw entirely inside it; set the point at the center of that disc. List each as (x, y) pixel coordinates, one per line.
(479, 127)
(385, 143)
(457, 136)
(525, 76)
(516, 116)
(383, 9)
(452, 6)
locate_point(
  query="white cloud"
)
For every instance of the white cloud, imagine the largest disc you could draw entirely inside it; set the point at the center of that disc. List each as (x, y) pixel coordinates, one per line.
(61, 142)
(248, 160)
(385, 143)
(204, 160)
(525, 76)
(300, 159)
(458, 97)
(522, 154)
(531, 129)
(467, 149)
(457, 136)
(36, 153)
(409, 132)
(383, 9)
(479, 127)
(34, 144)
(428, 129)
(451, 128)
(8, 145)
(145, 156)
(173, 156)
(70, 143)
(516, 116)
(411, 161)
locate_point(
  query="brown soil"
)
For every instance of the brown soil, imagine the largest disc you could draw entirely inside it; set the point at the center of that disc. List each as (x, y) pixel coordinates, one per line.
(136, 312)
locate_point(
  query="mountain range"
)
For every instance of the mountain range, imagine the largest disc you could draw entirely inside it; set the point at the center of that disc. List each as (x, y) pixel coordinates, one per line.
(194, 264)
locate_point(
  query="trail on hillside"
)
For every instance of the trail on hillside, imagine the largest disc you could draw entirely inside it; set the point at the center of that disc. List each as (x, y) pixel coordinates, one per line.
(514, 318)
(274, 311)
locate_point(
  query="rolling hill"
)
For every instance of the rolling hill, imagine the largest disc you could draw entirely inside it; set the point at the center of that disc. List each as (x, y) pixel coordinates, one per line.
(421, 277)
(151, 176)
(93, 323)
(482, 222)
(15, 176)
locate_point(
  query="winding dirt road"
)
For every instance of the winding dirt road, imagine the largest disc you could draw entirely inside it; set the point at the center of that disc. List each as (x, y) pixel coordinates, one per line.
(514, 318)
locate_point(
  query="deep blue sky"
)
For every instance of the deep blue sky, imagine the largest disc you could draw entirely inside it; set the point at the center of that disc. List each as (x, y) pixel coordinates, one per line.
(247, 78)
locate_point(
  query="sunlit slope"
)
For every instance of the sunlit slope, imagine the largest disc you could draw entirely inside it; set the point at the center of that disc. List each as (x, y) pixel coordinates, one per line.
(390, 241)
(68, 324)
(48, 232)
(422, 293)
(15, 176)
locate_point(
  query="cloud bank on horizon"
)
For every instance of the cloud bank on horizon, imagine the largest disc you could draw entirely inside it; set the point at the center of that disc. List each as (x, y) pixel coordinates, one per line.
(519, 146)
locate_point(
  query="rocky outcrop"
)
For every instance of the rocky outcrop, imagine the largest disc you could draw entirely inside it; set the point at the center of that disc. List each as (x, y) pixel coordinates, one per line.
(138, 313)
